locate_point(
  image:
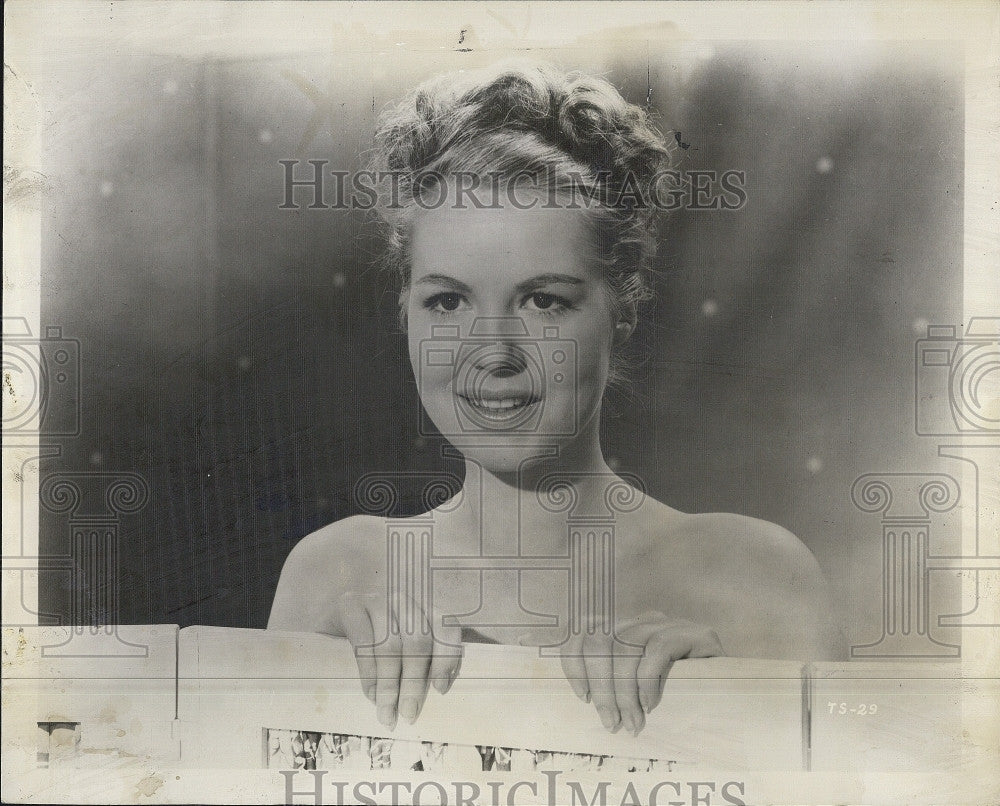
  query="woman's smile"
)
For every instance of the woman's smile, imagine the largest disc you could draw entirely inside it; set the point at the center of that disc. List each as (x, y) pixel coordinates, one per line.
(503, 412)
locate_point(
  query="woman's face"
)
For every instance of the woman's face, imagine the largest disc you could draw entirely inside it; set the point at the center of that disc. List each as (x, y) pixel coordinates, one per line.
(510, 330)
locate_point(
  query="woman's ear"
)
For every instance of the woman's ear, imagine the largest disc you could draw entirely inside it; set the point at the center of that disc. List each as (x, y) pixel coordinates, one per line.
(625, 324)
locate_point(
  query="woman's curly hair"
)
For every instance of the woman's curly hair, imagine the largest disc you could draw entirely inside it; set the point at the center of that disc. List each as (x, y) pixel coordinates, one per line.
(575, 130)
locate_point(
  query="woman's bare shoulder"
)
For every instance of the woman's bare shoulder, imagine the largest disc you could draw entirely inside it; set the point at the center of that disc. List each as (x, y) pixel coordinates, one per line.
(355, 532)
(759, 580)
(321, 567)
(738, 536)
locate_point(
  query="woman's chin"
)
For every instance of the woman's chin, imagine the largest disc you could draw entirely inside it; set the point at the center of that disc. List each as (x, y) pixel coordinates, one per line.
(508, 456)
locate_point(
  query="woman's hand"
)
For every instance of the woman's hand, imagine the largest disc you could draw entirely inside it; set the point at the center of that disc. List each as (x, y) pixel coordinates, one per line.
(399, 653)
(624, 677)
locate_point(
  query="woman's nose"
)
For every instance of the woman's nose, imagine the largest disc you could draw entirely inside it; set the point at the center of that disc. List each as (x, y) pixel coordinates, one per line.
(501, 359)
(500, 354)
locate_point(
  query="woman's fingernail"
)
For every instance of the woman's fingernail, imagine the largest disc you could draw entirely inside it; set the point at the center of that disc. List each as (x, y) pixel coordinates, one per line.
(609, 718)
(370, 692)
(387, 716)
(409, 708)
(639, 723)
(628, 723)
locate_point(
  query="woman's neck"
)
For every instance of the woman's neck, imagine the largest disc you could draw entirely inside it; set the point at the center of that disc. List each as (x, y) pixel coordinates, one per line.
(525, 512)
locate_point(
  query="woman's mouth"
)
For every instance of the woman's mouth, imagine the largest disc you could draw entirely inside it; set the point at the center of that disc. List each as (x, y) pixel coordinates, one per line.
(500, 410)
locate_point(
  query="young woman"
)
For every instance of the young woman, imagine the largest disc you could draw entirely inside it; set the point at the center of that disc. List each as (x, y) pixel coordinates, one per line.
(521, 211)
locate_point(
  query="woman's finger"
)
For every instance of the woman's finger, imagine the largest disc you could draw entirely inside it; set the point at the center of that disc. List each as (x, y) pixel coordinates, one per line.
(358, 630)
(573, 666)
(388, 650)
(447, 660)
(599, 663)
(639, 632)
(627, 653)
(417, 649)
(650, 677)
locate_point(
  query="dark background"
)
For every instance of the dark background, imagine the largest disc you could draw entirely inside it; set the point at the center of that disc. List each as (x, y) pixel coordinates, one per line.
(245, 360)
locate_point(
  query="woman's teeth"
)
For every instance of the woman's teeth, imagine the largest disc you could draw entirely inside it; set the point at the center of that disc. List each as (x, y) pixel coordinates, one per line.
(500, 405)
(500, 408)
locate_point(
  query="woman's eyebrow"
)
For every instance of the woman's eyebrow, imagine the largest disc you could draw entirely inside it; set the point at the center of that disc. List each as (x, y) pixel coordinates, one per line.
(549, 279)
(445, 280)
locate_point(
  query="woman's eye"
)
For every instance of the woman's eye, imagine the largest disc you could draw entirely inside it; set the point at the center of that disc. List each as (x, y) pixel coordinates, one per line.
(540, 301)
(444, 302)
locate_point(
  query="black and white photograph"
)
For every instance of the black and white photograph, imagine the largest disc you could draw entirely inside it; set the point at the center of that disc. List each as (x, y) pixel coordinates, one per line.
(501, 402)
